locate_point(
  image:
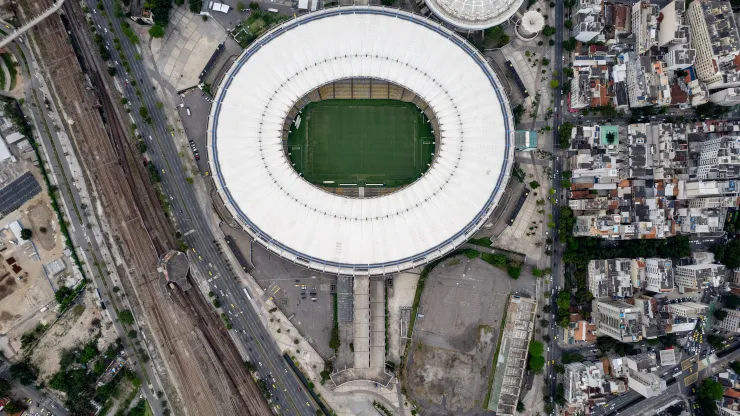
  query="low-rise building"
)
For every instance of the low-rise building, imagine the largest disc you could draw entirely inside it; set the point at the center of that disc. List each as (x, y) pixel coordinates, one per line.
(646, 384)
(688, 309)
(695, 276)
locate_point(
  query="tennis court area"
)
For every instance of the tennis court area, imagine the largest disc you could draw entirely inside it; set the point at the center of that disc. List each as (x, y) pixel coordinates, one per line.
(361, 143)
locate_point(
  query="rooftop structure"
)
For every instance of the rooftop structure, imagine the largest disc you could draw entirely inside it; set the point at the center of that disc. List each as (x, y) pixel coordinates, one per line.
(582, 380)
(668, 358)
(336, 234)
(610, 278)
(587, 27)
(646, 362)
(532, 23)
(659, 275)
(715, 38)
(646, 384)
(719, 156)
(512, 357)
(731, 321)
(688, 309)
(474, 14)
(726, 97)
(639, 83)
(645, 25)
(175, 267)
(617, 319)
(695, 276)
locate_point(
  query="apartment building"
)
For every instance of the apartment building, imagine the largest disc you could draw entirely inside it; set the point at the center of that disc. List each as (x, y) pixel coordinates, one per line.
(726, 97)
(659, 275)
(674, 37)
(645, 25)
(582, 381)
(715, 38)
(617, 319)
(688, 309)
(640, 89)
(730, 323)
(587, 26)
(610, 278)
(694, 276)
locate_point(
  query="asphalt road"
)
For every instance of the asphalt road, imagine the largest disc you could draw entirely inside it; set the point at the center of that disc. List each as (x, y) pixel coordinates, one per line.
(41, 118)
(557, 169)
(205, 257)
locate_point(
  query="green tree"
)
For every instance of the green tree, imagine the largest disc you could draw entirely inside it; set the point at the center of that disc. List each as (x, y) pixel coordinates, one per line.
(710, 390)
(735, 365)
(126, 317)
(536, 348)
(611, 137)
(514, 272)
(570, 44)
(112, 71)
(254, 5)
(156, 31)
(26, 234)
(520, 407)
(24, 372)
(559, 368)
(720, 314)
(554, 83)
(536, 363)
(548, 30)
(568, 24)
(14, 406)
(4, 387)
(534, 184)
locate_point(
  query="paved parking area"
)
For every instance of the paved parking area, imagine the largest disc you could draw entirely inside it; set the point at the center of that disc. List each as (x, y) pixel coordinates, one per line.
(197, 122)
(234, 16)
(186, 48)
(285, 282)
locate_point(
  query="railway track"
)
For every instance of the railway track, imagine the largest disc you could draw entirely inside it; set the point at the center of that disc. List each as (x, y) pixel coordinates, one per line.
(200, 359)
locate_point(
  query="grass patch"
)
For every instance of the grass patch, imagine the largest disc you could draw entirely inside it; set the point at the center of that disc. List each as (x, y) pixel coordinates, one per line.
(487, 399)
(483, 241)
(2, 80)
(11, 69)
(258, 22)
(361, 142)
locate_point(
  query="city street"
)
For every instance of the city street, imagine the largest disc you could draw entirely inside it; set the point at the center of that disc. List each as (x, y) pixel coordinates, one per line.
(199, 227)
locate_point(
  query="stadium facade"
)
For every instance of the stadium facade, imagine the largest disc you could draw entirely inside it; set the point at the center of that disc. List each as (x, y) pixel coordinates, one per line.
(474, 14)
(332, 233)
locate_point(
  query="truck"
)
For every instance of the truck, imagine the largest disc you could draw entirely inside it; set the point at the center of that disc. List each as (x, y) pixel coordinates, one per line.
(273, 10)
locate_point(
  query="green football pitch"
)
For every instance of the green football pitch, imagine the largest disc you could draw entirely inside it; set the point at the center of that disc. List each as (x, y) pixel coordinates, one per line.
(361, 142)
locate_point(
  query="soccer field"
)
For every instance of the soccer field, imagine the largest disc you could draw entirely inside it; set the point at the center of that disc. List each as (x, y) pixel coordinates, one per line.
(340, 142)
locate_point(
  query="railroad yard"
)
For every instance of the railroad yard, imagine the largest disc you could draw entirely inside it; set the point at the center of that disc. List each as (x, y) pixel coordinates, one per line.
(201, 370)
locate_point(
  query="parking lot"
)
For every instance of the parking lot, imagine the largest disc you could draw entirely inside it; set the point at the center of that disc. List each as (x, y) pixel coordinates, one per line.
(292, 288)
(196, 122)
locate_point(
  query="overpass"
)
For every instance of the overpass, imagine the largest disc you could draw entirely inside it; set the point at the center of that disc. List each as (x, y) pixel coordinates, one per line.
(51, 10)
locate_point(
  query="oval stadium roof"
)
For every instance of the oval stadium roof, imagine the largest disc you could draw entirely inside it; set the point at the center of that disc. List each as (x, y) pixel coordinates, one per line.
(336, 234)
(474, 14)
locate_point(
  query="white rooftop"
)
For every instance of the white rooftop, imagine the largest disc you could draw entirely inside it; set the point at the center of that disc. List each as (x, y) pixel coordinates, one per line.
(325, 231)
(474, 14)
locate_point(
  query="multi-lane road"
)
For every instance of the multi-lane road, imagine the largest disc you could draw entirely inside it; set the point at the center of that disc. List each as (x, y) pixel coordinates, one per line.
(556, 264)
(197, 225)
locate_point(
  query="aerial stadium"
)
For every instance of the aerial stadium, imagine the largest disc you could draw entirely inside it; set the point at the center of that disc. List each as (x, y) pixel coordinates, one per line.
(474, 14)
(360, 140)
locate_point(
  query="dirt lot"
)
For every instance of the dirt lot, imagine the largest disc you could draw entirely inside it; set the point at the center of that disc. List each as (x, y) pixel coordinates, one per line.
(453, 344)
(26, 295)
(72, 330)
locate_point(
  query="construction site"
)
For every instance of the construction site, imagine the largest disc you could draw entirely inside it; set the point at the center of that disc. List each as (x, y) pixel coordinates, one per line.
(201, 370)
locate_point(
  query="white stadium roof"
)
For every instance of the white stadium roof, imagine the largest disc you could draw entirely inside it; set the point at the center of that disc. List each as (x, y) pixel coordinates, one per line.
(474, 14)
(337, 234)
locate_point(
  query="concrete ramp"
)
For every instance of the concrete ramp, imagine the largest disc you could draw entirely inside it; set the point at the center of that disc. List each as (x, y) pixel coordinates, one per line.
(362, 322)
(377, 324)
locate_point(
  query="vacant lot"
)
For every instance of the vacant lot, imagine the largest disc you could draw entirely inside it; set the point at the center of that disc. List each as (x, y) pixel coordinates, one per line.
(454, 342)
